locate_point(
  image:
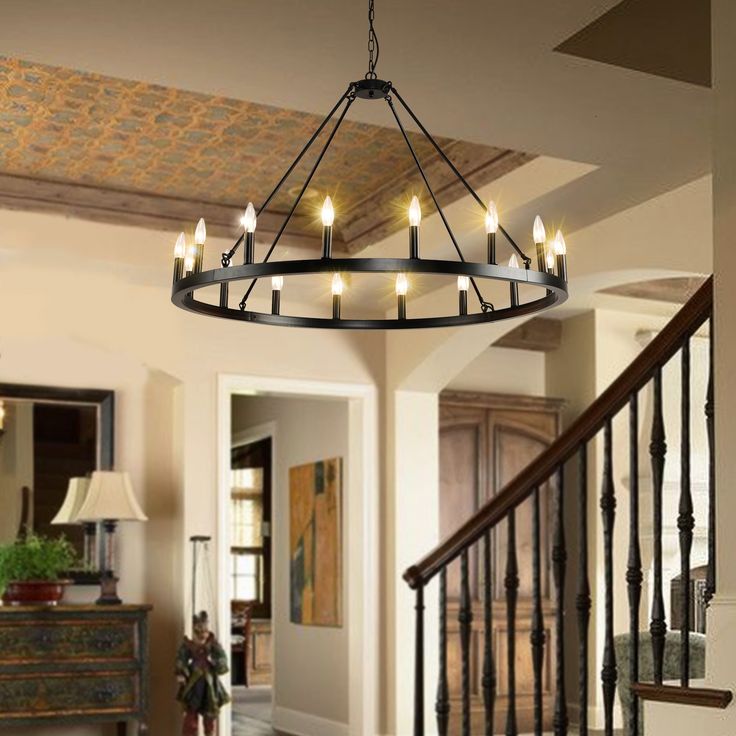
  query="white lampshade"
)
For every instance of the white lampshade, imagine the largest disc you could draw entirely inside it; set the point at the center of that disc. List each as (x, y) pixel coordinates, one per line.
(110, 496)
(76, 493)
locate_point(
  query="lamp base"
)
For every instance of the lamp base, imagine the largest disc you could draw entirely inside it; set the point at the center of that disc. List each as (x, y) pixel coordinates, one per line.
(108, 591)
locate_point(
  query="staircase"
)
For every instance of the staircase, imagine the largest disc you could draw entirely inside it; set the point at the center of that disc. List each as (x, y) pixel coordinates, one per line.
(547, 474)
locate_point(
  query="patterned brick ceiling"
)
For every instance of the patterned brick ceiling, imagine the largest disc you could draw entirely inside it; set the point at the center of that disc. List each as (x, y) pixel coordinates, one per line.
(115, 149)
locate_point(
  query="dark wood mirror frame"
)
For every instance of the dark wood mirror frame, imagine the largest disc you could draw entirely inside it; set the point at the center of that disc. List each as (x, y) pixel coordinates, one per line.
(104, 400)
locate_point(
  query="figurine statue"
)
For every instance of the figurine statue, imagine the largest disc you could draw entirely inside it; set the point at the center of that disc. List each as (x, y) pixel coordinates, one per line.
(199, 661)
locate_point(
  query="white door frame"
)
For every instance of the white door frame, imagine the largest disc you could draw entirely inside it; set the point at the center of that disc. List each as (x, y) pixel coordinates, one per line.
(361, 529)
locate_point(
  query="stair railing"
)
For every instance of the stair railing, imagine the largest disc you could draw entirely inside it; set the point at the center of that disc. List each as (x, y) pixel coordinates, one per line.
(547, 472)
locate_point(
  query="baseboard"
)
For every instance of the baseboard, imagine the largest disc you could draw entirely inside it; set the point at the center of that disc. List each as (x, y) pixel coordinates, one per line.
(305, 724)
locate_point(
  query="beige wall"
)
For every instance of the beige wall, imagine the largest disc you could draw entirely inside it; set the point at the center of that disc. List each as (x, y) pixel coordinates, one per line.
(503, 370)
(305, 431)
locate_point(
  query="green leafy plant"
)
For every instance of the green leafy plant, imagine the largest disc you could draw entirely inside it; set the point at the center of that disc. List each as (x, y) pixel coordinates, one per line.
(35, 558)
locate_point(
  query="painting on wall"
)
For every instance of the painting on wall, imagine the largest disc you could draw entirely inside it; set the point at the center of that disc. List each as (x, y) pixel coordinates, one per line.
(315, 543)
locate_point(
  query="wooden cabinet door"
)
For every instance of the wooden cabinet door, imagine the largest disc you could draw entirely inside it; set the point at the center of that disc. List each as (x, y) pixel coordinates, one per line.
(485, 440)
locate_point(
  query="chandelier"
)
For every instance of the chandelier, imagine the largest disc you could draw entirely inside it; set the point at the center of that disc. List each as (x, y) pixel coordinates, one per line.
(549, 277)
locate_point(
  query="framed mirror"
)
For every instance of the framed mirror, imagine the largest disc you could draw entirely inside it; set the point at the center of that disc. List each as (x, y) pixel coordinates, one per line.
(47, 436)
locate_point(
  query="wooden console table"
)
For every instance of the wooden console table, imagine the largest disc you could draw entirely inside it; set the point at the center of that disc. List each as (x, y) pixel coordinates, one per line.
(74, 665)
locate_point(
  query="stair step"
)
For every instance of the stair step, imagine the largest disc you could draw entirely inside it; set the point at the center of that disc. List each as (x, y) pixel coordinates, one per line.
(703, 697)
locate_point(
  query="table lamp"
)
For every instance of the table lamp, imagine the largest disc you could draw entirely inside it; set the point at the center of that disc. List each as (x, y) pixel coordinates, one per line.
(76, 493)
(110, 499)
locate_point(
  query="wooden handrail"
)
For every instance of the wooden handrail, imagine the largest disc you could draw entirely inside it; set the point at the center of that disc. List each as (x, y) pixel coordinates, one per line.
(683, 325)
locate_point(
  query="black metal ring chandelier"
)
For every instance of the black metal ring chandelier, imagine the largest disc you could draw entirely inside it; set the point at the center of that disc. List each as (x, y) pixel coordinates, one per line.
(550, 276)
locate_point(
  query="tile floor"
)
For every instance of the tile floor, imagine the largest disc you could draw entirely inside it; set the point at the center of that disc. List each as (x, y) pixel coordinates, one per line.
(252, 712)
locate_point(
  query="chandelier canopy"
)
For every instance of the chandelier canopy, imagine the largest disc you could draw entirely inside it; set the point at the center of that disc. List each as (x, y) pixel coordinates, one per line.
(550, 275)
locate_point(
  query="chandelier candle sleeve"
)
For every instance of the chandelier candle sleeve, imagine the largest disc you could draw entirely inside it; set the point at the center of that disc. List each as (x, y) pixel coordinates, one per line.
(337, 287)
(561, 255)
(513, 286)
(463, 284)
(249, 225)
(180, 249)
(550, 261)
(415, 217)
(277, 283)
(402, 286)
(491, 229)
(540, 235)
(200, 235)
(328, 218)
(189, 260)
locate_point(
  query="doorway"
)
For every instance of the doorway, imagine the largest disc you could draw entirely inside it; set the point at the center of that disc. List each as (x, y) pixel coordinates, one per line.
(251, 545)
(294, 708)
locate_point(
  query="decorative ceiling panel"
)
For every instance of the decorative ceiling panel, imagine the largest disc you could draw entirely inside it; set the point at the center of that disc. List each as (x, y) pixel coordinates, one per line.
(126, 151)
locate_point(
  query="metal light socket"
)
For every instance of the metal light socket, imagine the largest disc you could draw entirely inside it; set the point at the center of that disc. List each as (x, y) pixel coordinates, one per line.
(514, 289)
(492, 248)
(413, 241)
(275, 301)
(462, 296)
(402, 306)
(178, 269)
(562, 266)
(249, 250)
(327, 241)
(336, 304)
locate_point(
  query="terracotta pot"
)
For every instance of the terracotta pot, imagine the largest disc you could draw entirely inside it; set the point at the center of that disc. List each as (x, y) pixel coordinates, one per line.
(34, 592)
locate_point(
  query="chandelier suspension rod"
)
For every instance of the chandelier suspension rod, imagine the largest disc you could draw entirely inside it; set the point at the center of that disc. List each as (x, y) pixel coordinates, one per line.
(350, 99)
(473, 193)
(227, 257)
(483, 303)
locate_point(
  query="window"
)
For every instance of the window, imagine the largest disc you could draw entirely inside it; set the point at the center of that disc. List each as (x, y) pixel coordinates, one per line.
(250, 514)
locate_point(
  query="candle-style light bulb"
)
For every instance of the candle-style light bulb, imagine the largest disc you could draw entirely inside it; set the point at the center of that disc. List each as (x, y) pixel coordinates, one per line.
(550, 261)
(463, 284)
(2, 415)
(328, 218)
(540, 235)
(249, 219)
(513, 286)
(491, 218)
(189, 259)
(180, 250)
(180, 247)
(277, 283)
(561, 255)
(402, 286)
(337, 287)
(328, 213)
(491, 229)
(200, 235)
(415, 217)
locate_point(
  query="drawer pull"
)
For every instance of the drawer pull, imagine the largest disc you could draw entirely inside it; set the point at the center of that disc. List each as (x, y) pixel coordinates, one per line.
(106, 642)
(105, 694)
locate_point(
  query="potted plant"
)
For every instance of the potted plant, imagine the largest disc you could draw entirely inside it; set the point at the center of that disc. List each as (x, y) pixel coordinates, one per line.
(31, 569)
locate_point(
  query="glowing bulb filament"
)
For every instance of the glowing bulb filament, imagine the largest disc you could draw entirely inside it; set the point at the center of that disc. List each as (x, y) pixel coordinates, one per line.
(415, 212)
(560, 245)
(550, 261)
(463, 283)
(337, 285)
(328, 213)
(402, 285)
(491, 218)
(277, 283)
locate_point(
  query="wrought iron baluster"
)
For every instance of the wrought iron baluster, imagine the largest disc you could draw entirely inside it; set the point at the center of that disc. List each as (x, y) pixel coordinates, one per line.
(537, 636)
(465, 618)
(489, 675)
(609, 672)
(442, 704)
(685, 519)
(658, 451)
(710, 578)
(559, 565)
(582, 601)
(419, 665)
(634, 575)
(511, 584)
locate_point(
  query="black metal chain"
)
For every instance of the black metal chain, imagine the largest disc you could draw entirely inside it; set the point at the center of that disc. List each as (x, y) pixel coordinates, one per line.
(374, 49)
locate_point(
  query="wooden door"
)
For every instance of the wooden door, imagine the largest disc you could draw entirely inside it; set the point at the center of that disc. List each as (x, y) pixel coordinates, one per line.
(485, 440)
